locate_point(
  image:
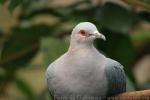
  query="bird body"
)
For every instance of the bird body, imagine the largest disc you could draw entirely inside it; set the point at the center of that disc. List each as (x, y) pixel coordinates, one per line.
(83, 71)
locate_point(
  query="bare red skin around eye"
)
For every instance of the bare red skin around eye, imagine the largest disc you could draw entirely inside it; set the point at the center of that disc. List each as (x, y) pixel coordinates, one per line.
(83, 33)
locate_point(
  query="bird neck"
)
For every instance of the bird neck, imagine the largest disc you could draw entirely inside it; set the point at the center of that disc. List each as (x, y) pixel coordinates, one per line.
(77, 46)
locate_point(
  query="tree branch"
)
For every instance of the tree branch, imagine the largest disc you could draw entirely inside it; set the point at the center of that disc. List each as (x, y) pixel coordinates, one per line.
(135, 95)
(20, 54)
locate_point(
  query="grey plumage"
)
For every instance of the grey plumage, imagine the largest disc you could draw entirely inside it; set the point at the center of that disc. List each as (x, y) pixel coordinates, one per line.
(115, 77)
(83, 71)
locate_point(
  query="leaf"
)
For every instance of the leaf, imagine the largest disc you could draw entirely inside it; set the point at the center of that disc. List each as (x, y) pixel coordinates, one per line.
(52, 48)
(143, 15)
(23, 45)
(140, 36)
(58, 12)
(83, 15)
(61, 12)
(24, 88)
(115, 18)
(1, 33)
(130, 86)
(44, 95)
(118, 47)
(143, 86)
(35, 30)
(146, 1)
(19, 49)
(2, 1)
(3, 76)
(26, 3)
(13, 4)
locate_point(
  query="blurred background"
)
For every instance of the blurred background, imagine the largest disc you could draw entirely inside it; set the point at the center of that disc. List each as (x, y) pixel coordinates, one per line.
(33, 33)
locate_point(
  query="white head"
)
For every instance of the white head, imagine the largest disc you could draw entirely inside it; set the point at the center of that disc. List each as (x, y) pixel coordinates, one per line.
(86, 32)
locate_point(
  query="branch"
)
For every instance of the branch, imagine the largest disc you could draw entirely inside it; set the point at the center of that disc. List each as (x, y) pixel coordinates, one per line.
(135, 95)
(20, 54)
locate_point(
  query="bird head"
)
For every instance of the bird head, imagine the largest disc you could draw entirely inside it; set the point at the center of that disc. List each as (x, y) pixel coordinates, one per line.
(86, 32)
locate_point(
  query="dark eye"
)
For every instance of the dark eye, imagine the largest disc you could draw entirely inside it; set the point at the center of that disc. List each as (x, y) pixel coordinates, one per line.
(82, 32)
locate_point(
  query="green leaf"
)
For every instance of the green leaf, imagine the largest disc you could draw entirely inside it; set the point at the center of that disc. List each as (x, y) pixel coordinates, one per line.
(3, 76)
(115, 17)
(143, 15)
(23, 45)
(19, 49)
(24, 88)
(83, 15)
(35, 31)
(1, 33)
(57, 12)
(130, 86)
(52, 48)
(141, 36)
(2, 1)
(44, 95)
(118, 47)
(147, 1)
(13, 4)
(143, 86)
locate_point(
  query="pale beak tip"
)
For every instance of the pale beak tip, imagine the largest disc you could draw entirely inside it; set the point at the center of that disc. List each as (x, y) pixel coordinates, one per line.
(103, 37)
(99, 35)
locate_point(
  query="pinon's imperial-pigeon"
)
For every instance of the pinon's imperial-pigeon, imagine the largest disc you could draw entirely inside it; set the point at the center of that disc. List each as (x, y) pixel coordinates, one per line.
(83, 71)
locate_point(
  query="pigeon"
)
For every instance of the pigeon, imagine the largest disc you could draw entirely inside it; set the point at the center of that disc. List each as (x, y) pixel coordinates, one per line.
(84, 72)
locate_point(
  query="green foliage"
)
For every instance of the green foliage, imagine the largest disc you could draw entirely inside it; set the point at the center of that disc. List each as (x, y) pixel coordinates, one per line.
(2, 1)
(143, 15)
(60, 46)
(22, 45)
(13, 4)
(24, 88)
(141, 36)
(146, 1)
(19, 49)
(122, 17)
(119, 47)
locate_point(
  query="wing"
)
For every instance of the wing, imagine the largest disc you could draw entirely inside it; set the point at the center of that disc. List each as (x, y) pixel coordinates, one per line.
(49, 76)
(116, 77)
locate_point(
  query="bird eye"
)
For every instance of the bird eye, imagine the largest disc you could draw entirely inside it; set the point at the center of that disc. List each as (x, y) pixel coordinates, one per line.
(82, 32)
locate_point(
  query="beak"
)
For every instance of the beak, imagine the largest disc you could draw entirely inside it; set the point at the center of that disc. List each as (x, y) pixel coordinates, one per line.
(99, 35)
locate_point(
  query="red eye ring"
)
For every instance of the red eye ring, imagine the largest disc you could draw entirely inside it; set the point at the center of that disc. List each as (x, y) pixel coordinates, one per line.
(82, 32)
